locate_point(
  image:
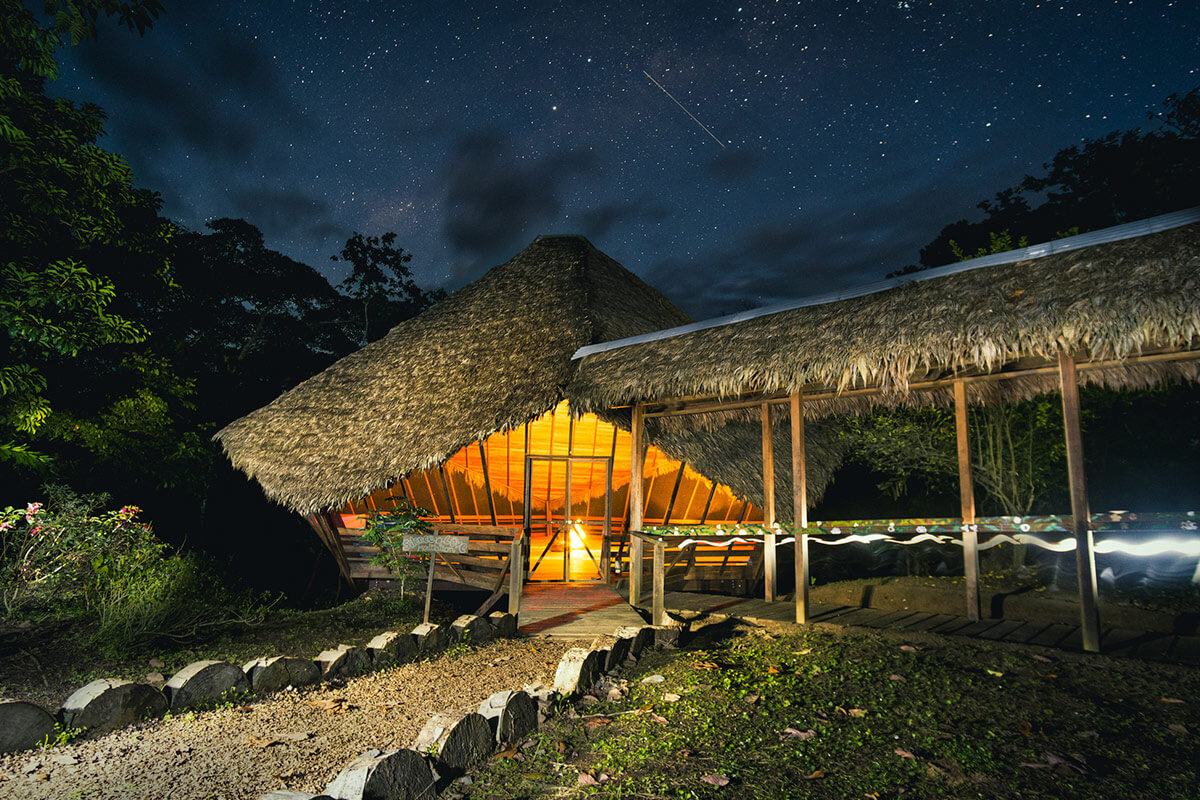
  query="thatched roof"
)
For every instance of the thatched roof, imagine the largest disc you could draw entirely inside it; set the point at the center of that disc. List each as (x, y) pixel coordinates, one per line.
(486, 359)
(731, 454)
(1115, 300)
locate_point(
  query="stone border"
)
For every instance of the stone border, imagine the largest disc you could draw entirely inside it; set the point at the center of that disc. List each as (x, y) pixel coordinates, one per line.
(107, 704)
(455, 741)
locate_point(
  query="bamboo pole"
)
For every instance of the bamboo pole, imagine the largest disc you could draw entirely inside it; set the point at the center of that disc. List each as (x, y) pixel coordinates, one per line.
(637, 464)
(800, 506)
(1085, 557)
(770, 571)
(966, 491)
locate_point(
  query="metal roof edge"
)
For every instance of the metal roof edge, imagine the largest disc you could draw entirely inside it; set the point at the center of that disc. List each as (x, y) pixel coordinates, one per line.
(1129, 230)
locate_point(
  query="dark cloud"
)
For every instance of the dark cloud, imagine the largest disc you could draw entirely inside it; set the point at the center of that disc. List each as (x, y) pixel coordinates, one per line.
(210, 99)
(497, 198)
(729, 166)
(283, 212)
(600, 220)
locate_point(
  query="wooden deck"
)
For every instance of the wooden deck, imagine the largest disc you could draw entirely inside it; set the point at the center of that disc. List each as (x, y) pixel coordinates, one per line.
(1114, 641)
(574, 610)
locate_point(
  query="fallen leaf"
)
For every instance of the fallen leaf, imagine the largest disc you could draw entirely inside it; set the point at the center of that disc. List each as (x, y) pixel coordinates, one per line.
(587, 780)
(894, 677)
(900, 751)
(507, 753)
(156, 663)
(908, 648)
(653, 679)
(1177, 728)
(334, 705)
(716, 780)
(994, 672)
(792, 733)
(815, 775)
(560, 747)
(684, 753)
(262, 743)
(596, 722)
(706, 665)
(155, 677)
(1172, 700)
(750, 699)
(857, 712)
(772, 671)
(671, 698)
(1043, 659)
(656, 718)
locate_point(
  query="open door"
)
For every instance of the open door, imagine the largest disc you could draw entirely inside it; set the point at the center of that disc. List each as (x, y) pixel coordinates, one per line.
(565, 544)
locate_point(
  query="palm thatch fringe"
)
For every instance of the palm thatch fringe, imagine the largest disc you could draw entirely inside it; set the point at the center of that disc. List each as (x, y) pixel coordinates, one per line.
(1109, 301)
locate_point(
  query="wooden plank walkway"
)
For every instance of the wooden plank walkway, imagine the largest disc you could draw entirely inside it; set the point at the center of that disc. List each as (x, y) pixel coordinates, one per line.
(574, 610)
(1115, 641)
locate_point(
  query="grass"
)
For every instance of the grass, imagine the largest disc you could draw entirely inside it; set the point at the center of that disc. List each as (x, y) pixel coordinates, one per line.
(857, 714)
(45, 664)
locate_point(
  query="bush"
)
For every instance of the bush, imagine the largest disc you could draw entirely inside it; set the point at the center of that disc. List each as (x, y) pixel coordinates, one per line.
(68, 558)
(386, 530)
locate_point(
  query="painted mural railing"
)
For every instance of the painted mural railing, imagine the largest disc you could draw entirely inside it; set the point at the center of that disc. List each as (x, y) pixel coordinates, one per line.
(737, 547)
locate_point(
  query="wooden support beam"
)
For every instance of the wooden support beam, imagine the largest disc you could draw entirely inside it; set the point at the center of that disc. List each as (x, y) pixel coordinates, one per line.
(446, 490)
(1085, 557)
(966, 493)
(800, 506)
(487, 483)
(770, 570)
(658, 615)
(637, 466)
(606, 538)
(674, 493)
(516, 576)
(708, 503)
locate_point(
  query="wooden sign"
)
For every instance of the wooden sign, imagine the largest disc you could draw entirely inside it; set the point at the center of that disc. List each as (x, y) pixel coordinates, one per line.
(420, 543)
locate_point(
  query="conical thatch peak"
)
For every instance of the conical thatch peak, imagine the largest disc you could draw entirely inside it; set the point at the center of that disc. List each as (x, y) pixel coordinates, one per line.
(489, 357)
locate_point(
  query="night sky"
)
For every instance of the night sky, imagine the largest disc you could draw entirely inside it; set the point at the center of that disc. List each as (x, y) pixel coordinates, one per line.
(819, 144)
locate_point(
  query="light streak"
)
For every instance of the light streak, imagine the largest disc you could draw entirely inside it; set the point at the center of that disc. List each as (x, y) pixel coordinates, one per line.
(690, 114)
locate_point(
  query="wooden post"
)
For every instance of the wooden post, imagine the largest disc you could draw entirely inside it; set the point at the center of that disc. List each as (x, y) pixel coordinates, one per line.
(487, 482)
(658, 615)
(966, 492)
(1085, 557)
(637, 465)
(800, 506)
(429, 586)
(516, 575)
(606, 553)
(770, 571)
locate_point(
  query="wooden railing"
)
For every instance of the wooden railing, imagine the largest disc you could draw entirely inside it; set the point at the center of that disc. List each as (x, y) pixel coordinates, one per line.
(496, 552)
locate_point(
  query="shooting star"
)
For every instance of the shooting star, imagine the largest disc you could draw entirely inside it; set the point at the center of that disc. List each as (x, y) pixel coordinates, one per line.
(690, 114)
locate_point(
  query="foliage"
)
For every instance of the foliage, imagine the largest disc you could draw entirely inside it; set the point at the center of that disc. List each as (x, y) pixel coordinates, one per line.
(386, 530)
(381, 284)
(70, 557)
(62, 199)
(1017, 455)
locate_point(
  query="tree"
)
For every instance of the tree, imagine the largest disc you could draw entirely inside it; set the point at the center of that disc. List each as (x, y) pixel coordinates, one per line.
(1121, 177)
(381, 284)
(62, 199)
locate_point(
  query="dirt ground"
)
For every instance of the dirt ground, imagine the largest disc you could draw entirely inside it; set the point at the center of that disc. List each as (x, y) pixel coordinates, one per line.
(297, 739)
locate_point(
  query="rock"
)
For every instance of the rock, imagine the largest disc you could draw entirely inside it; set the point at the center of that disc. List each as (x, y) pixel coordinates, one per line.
(512, 715)
(204, 681)
(268, 675)
(110, 703)
(343, 661)
(456, 741)
(470, 629)
(666, 635)
(631, 640)
(23, 725)
(578, 671)
(385, 775)
(505, 625)
(430, 638)
(390, 648)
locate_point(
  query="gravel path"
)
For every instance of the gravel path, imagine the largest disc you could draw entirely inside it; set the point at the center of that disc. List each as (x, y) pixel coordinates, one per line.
(293, 740)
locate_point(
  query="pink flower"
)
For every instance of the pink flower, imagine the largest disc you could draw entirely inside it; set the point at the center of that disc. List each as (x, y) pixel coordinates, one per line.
(31, 509)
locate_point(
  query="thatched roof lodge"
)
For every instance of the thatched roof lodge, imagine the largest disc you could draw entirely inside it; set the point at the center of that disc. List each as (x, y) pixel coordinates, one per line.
(445, 408)
(1118, 307)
